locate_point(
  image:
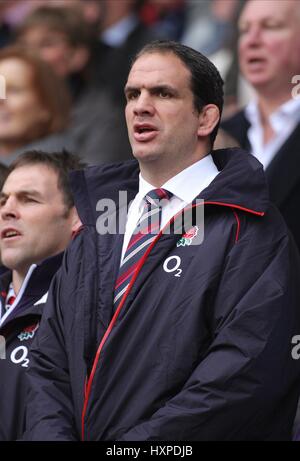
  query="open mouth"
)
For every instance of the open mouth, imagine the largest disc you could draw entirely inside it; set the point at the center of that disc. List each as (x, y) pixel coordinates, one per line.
(256, 61)
(144, 132)
(10, 233)
(143, 129)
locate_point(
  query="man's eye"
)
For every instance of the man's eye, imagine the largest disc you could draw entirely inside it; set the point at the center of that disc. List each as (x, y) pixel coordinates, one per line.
(273, 25)
(131, 96)
(164, 94)
(29, 200)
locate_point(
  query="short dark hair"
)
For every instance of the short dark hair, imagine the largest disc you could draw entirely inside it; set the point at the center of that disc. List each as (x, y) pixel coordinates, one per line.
(206, 81)
(61, 162)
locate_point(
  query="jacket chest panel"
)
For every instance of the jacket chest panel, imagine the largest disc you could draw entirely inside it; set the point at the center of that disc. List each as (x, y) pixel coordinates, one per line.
(17, 345)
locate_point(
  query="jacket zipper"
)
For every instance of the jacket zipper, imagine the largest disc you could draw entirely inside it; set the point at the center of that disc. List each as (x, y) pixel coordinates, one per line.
(89, 380)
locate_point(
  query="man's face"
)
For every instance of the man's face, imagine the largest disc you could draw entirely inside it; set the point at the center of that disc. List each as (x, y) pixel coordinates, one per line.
(34, 223)
(161, 119)
(269, 44)
(52, 46)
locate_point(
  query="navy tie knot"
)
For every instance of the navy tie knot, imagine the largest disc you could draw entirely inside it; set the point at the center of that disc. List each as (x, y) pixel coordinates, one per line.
(156, 195)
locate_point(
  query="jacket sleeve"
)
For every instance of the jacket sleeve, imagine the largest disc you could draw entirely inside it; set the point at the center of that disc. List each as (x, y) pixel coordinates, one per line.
(248, 373)
(49, 406)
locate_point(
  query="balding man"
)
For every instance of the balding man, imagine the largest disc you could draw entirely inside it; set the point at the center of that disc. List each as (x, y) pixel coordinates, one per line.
(269, 54)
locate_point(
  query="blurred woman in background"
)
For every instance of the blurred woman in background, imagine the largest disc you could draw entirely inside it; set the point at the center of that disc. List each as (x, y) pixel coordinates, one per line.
(34, 105)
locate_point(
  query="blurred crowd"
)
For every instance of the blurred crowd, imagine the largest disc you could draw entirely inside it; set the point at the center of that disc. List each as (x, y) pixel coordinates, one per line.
(65, 64)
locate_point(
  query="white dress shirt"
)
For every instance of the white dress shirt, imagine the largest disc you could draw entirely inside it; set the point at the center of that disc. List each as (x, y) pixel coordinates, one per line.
(185, 187)
(10, 295)
(118, 33)
(283, 122)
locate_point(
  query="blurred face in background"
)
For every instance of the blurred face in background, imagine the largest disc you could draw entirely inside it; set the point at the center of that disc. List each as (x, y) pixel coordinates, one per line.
(22, 115)
(54, 48)
(269, 44)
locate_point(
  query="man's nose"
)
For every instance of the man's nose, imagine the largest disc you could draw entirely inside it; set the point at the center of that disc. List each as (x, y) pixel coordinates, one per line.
(253, 35)
(9, 209)
(143, 104)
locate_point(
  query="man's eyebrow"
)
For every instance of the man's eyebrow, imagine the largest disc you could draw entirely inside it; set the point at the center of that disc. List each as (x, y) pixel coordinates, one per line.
(160, 86)
(163, 86)
(130, 88)
(29, 191)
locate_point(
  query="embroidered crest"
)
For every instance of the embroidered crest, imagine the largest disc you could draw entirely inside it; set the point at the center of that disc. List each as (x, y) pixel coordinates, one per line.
(188, 237)
(28, 332)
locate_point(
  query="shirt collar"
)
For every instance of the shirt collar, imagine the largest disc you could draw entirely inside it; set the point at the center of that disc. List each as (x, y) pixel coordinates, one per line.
(252, 112)
(117, 34)
(11, 291)
(289, 111)
(198, 176)
(291, 107)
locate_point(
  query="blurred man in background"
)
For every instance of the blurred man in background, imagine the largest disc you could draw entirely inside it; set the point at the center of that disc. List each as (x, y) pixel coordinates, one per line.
(60, 36)
(269, 127)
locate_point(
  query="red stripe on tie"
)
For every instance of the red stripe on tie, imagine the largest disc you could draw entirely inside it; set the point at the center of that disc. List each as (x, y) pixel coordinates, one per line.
(140, 235)
(140, 240)
(125, 276)
(11, 300)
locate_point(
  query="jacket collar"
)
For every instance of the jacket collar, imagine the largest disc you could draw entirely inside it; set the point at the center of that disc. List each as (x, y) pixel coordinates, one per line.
(36, 287)
(241, 183)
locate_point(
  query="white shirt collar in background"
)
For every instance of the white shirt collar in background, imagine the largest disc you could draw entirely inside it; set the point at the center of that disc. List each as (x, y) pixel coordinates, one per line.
(283, 121)
(117, 34)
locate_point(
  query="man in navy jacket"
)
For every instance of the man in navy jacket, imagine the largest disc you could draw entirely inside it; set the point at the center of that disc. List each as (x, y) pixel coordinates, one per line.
(37, 219)
(198, 345)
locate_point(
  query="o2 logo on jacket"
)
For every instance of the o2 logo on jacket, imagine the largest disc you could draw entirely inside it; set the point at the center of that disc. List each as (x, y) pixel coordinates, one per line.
(172, 265)
(19, 356)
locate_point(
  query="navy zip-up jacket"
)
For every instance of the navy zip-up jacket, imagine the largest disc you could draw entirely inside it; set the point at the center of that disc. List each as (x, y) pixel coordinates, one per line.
(203, 355)
(19, 329)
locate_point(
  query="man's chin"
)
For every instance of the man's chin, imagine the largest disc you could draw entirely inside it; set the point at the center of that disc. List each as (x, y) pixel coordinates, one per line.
(12, 262)
(145, 155)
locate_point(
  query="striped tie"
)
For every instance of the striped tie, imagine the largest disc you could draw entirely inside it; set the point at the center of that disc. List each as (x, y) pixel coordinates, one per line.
(147, 229)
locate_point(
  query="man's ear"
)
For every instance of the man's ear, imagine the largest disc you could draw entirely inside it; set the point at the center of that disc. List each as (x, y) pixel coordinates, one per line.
(75, 220)
(208, 119)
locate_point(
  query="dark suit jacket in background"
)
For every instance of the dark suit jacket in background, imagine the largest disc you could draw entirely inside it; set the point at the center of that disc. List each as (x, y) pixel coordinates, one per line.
(283, 173)
(110, 65)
